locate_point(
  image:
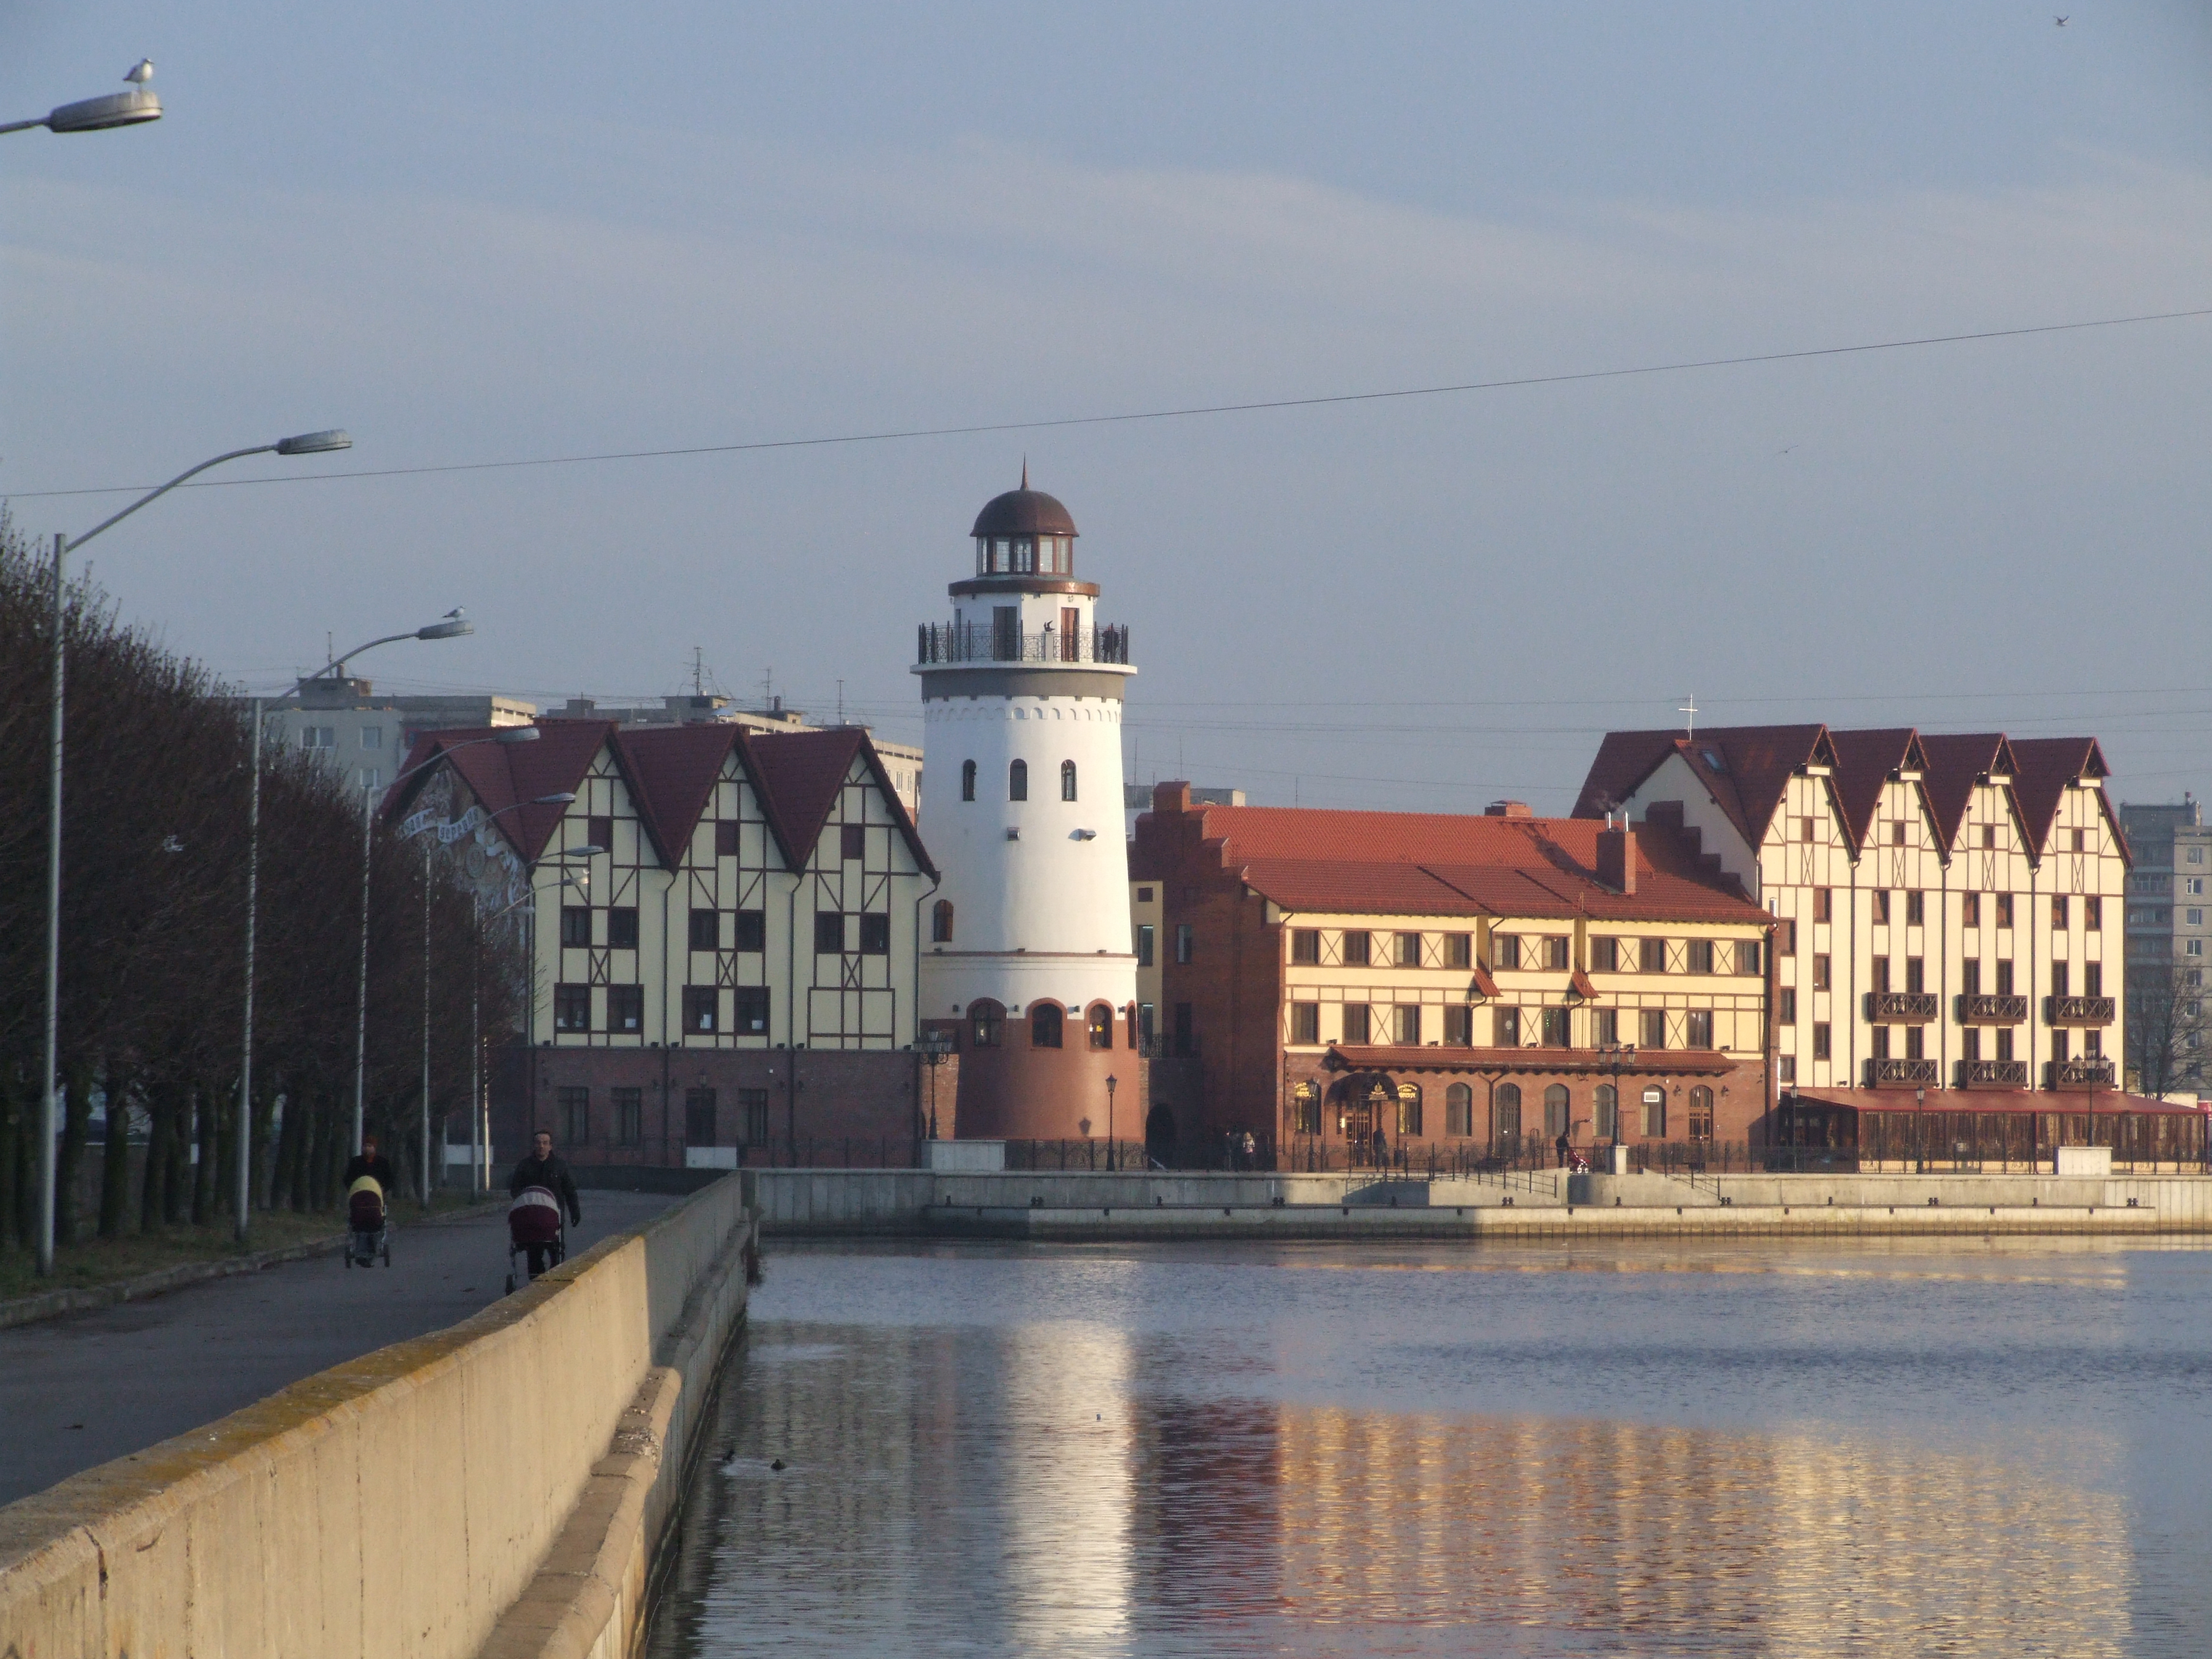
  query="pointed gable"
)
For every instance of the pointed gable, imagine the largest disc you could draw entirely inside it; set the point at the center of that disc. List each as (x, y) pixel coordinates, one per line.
(1957, 763)
(798, 775)
(672, 771)
(1747, 768)
(2045, 766)
(507, 777)
(1864, 761)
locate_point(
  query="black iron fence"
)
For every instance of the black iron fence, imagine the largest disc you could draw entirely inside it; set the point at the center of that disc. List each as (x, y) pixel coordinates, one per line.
(987, 643)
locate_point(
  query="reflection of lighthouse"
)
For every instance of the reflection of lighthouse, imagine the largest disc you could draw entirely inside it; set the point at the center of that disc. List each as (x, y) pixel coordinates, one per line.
(1028, 963)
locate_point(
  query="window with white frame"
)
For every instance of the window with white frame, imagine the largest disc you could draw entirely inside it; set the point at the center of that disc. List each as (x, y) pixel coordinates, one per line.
(372, 737)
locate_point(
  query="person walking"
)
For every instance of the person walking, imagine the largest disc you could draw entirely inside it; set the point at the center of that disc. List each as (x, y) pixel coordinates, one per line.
(544, 1168)
(1564, 1146)
(371, 1163)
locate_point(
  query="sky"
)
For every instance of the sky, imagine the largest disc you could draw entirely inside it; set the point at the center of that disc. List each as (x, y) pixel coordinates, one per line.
(496, 232)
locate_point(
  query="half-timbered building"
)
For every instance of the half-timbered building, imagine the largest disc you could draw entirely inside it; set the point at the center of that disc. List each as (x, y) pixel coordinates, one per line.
(721, 926)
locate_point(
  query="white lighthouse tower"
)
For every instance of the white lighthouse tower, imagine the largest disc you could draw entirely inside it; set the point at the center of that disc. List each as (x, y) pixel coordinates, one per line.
(1026, 962)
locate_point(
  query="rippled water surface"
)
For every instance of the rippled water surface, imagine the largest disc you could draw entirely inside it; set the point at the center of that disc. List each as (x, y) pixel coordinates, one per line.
(1998, 1449)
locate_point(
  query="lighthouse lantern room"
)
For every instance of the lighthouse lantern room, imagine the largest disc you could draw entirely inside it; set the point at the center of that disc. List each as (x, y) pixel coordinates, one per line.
(1027, 965)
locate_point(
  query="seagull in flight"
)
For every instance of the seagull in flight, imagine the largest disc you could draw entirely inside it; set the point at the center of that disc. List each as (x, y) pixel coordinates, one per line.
(141, 72)
(2061, 22)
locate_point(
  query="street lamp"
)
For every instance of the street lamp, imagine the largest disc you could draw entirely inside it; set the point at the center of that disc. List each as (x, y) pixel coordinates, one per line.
(563, 799)
(1919, 1132)
(312, 443)
(1111, 1164)
(505, 734)
(115, 109)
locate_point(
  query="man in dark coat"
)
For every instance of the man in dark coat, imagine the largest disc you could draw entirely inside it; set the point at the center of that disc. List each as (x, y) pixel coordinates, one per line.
(369, 1162)
(543, 1169)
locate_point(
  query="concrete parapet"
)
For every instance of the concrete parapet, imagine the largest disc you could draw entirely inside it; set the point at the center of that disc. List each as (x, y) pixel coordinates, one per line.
(403, 1503)
(833, 1203)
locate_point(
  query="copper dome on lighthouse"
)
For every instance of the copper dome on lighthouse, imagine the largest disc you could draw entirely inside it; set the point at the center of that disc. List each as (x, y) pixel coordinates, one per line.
(1024, 512)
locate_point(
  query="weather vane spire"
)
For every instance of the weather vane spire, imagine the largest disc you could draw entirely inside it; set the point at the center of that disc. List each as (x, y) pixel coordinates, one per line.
(1689, 713)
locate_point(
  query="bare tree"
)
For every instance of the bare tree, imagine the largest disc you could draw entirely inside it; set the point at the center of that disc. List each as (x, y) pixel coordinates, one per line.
(2166, 1027)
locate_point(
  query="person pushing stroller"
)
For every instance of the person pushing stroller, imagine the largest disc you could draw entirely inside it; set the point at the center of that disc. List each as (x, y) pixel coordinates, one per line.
(543, 1168)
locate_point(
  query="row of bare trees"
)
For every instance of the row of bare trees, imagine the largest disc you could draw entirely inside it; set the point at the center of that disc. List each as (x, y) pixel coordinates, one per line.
(155, 855)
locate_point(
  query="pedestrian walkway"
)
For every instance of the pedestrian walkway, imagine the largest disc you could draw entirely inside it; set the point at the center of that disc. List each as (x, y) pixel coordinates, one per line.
(79, 1390)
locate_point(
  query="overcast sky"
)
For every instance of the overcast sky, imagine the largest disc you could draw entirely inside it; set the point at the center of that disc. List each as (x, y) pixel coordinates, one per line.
(496, 231)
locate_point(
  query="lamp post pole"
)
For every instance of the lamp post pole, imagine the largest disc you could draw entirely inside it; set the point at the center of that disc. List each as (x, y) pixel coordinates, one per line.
(245, 1132)
(310, 443)
(1111, 1162)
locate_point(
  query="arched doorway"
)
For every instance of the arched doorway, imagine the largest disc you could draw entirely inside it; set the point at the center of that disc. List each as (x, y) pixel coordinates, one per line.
(1160, 1136)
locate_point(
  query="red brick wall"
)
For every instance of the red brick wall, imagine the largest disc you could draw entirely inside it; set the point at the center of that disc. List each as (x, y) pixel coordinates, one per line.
(855, 1104)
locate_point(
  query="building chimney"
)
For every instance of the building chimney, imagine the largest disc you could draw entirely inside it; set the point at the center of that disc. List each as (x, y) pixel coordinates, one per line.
(1616, 859)
(1507, 809)
(1171, 797)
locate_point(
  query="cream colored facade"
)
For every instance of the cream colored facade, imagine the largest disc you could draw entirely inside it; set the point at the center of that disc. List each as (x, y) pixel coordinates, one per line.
(1886, 939)
(1420, 987)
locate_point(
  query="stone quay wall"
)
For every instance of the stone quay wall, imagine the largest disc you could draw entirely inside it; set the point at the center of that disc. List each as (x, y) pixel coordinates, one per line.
(499, 1488)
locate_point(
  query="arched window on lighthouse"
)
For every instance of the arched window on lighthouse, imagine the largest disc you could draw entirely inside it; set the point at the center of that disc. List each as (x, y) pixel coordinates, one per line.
(988, 1021)
(1018, 781)
(1101, 1022)
(967, 780)
(1045, 1021)
(1067, 780)
(940, 922)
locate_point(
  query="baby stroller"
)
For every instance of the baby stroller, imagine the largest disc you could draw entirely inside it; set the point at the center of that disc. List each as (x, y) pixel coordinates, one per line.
(367, 1237)
(534, 1221)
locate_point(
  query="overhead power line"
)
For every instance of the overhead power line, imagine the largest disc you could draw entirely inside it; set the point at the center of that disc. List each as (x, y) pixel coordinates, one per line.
(1185, 412)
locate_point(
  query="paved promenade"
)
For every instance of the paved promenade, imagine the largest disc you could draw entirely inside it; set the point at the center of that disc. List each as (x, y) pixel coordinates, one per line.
(80, 1389)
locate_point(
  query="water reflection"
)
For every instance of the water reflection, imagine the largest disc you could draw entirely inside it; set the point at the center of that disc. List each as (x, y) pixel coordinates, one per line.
(1242, 1485)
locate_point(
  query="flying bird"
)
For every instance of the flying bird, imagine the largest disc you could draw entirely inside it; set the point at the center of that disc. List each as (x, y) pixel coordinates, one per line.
(2061, 22)
(142, 72)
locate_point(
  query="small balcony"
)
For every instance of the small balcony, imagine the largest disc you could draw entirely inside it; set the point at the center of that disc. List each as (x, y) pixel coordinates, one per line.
(2089, 1074)
(986, 642)
(1912, 1073)
(2077, 1011)
(1903, 1007)
(1992, 1074)
(1991, 1010)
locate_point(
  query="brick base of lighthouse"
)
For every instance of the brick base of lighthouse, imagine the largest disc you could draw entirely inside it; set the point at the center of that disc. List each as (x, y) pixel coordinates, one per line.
(1018, 1091)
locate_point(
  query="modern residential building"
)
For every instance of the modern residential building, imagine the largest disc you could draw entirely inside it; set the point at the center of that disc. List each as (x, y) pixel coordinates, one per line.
(723, 930)
(1467, 984)
(360, 734)
(1950, 908)
(1028, 973)
(2168, 909)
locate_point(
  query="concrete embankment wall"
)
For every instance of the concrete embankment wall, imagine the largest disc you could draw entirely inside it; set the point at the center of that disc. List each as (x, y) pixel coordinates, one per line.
(1042, 1204)
(498, 1486)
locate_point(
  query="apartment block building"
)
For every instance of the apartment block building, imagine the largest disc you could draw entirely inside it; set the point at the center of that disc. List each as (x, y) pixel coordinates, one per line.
(722, 928)
(1457, 983)
(2169, 923)
(1949, 908)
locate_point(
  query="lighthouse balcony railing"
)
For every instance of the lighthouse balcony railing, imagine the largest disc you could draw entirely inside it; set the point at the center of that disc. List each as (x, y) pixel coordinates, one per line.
(983, 643)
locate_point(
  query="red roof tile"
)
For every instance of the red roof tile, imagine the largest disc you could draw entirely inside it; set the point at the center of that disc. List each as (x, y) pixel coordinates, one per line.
(802, 772)
(1439, 864)
(1864, 760)
(2047, 766)
(1754, 770)
(1957, 761)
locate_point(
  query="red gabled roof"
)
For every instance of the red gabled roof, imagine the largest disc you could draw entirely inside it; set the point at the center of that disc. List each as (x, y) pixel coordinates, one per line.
(1440, 864)
(1864, 760)
(1754, 767)
(671, 772)
(801, 772)
(2047, 766)
(1957, 762)
(505, 776)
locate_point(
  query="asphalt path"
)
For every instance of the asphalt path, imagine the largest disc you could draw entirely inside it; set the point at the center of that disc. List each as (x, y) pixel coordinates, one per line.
(80, 1389)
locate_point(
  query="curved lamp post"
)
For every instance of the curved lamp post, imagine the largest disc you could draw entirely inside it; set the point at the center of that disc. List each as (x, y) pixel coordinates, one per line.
(309, 443)
(563, 799)
(115, 109)
(505, 734)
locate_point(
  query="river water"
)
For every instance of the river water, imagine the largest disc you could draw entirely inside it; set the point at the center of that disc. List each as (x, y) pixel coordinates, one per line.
(1885, 1448)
